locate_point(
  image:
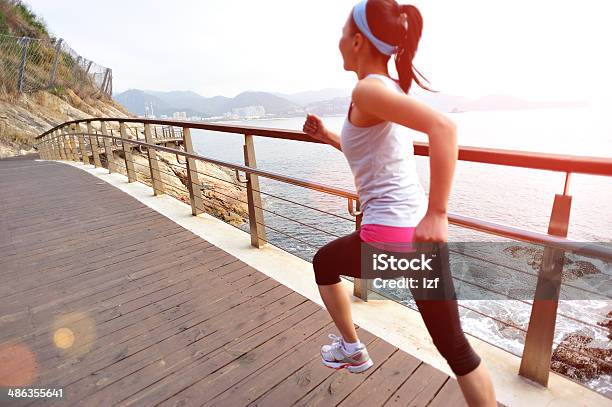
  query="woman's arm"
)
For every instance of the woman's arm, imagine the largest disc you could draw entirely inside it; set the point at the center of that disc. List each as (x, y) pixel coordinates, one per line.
(334, 139)
(314, 127)
(443, 154)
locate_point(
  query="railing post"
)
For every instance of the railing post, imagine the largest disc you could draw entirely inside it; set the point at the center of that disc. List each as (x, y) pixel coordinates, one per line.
(108, 148)
(256, 218)
(55, 146)
(360, 285)
(50, 153)
(68, 138)
(74, 142)
(61, 137)
(158, 188)
(60, 143)
(127, 153)
(94, 146)
(47, 148)
(85, 156)
(193, 178)
(40, 147)
(535, 362)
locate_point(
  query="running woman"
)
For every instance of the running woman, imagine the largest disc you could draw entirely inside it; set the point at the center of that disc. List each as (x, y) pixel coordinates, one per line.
(395, 208)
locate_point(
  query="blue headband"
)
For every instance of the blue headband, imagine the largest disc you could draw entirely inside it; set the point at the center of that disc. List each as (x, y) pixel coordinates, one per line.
(359, 15)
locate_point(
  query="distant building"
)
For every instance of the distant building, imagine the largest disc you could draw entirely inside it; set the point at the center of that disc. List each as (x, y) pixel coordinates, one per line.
(149, 111)
(179, 115)
(249, 112)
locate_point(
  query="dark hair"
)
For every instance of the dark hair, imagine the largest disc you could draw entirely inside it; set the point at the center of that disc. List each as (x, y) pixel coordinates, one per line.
(386, 23)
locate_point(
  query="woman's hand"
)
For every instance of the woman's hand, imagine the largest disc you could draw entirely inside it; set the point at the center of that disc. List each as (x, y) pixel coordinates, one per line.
(315, 128)
(432, 228)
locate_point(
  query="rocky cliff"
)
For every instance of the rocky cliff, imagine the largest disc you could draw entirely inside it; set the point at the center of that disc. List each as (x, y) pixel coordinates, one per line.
(25, 116)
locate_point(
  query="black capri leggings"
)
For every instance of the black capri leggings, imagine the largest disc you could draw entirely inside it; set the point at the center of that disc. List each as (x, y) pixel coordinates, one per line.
(342, 257)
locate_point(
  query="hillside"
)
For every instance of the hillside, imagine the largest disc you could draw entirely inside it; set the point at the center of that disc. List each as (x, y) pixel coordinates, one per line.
(51, 93)
(23, 117)
(39, 107)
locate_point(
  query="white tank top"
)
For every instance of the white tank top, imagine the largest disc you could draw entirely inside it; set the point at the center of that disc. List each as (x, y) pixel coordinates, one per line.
(381, 158)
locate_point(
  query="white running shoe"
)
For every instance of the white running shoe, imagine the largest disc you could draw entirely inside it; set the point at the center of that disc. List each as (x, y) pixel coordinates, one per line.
(335, 357)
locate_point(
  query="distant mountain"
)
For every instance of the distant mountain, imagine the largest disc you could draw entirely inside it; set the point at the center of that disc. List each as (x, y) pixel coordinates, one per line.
(313, 96)
(328, 101)
(273, 104)
(196, 105)
(185, 100)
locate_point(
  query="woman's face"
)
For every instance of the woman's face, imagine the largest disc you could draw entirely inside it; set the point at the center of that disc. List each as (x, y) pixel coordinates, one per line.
(347, 46)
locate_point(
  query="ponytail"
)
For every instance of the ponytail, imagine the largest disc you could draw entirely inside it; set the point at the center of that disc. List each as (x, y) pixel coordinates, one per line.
(410, 27)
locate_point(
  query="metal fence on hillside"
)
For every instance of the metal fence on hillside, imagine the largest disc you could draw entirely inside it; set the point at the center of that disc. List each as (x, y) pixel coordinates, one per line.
(30, 64)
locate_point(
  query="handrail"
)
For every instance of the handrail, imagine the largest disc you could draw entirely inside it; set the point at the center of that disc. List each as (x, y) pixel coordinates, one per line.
(513, 158)
(341, 192)
(568, 245)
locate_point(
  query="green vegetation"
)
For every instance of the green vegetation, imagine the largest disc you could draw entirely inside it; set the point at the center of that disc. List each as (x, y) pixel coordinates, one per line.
(17, 18)
(58, 91)
(45, 63)
(4, 28)
(31, 19)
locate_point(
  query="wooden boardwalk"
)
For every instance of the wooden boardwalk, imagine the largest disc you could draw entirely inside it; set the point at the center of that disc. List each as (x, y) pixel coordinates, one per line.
(118, 305)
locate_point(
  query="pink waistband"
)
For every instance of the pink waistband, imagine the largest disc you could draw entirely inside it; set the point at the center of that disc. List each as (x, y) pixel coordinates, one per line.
(384, 233)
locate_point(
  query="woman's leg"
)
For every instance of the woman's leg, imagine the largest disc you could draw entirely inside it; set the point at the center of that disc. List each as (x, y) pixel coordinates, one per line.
(477, 388)
(340, 256)
(441, 317)
(336, 300)
(442, 320)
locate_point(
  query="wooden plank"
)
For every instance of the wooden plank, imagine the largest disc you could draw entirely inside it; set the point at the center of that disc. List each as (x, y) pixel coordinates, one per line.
(339, 385)
(420, 388)
(191, 369)
(379, 386)
(449, 395)
(178, 348)
(128, 330)
(295, 372)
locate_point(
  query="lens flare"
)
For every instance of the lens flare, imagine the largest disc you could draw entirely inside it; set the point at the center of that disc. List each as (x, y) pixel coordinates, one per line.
(74, 333)
(17, 366)
(63, 338)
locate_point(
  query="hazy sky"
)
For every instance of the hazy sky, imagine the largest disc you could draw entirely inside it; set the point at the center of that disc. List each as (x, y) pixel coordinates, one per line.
(535, 49)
